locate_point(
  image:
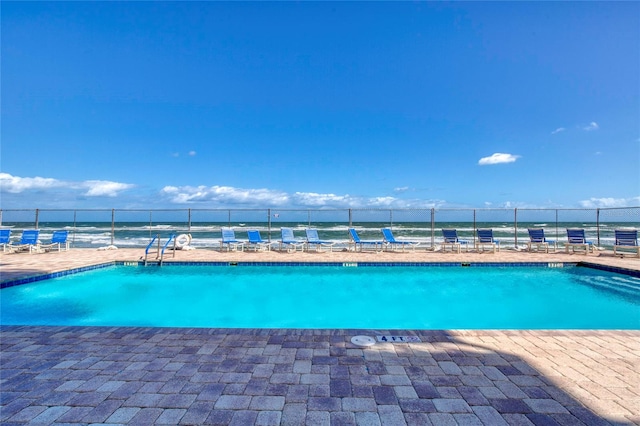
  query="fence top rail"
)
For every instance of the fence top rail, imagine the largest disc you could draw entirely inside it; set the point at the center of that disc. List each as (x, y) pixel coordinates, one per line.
(316, 210)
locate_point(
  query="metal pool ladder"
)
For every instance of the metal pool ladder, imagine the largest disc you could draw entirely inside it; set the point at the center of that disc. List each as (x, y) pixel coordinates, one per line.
(158, 252)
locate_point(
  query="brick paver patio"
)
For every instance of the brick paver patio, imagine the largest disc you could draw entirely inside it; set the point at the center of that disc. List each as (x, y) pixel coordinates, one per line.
(127, 375)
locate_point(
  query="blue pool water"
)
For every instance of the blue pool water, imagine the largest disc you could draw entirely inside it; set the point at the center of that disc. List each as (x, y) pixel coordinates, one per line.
(330, 297)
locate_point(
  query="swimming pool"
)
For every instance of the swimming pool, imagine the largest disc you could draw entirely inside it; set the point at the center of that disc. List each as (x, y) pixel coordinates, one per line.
(383, 297)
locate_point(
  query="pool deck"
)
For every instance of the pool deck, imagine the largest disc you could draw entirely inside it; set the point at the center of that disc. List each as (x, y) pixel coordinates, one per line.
(132, 375)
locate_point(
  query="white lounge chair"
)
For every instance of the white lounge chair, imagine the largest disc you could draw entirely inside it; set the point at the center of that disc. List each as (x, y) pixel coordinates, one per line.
(313, 240)
(626, 239)
(5, 238)
(59, 242)
(485, 238)
(577, 239)
(358, 243)
(537, 239)
(451, 240)
(391, 241)
(289, 241)
(28, 242)
(256, 242)
(229, 240)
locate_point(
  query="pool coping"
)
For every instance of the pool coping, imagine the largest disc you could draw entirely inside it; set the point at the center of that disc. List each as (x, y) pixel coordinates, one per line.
(426, 334)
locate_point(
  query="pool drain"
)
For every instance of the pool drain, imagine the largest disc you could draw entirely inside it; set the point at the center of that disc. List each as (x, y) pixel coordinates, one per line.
(363, 340)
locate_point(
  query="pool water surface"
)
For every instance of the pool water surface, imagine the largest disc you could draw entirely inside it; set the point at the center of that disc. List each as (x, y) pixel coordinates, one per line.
(382, 297)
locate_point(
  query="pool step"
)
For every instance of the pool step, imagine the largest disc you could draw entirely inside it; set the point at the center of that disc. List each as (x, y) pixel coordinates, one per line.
(623, 285)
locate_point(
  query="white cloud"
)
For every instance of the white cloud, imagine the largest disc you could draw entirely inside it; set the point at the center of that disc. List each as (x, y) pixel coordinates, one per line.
(100, 188)
(384, 202)
(16, 184)
(312, 199)
(523, 205)
(225, 194)
(610, 202)
(588, 128)
(94, 188)
(498, 158)
(401, 189)
(230, 196)
(190, 154)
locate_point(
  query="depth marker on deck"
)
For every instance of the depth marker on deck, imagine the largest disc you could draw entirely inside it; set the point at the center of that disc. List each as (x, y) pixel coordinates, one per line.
(398, 339)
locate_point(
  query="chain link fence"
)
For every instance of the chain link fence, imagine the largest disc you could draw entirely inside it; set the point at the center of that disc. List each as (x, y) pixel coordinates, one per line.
(135, 228)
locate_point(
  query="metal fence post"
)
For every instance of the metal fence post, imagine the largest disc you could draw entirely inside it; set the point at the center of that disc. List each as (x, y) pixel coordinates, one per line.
(73, 239)
(433, 228)
(598, 225)
(474, 227)
(37, 217)
(113, 224)
(515, 226)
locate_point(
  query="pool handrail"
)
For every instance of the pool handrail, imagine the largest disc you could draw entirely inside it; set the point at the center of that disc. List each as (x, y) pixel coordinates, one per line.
(171, 237)
(146, 251)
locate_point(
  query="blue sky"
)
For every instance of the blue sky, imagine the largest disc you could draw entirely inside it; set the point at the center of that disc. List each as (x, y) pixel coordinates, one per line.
(320, 105)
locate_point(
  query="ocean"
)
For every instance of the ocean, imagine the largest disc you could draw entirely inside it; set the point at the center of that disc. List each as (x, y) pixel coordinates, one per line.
(207, 234)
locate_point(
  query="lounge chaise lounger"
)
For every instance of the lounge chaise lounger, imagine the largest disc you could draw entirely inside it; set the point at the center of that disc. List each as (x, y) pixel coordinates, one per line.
(577, 239)
(485, 238)
(256, 242)
(229, 240)
(450, 237)
(390, 241)
(289, 241)
(314, 240)
(59, 242)
(28, 242)
(5, 238)
(354, 239)
(537, 239)
(626, 239)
